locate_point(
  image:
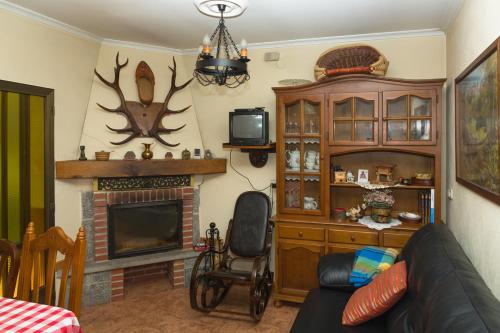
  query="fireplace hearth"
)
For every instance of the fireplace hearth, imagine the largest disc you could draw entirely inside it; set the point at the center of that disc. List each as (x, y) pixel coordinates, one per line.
(146, 227)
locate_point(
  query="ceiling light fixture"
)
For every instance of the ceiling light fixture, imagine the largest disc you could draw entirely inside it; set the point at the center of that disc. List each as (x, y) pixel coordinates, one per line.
(219, 60)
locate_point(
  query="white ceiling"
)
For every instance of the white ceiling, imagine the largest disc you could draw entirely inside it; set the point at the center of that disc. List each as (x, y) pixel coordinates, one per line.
(178, 24)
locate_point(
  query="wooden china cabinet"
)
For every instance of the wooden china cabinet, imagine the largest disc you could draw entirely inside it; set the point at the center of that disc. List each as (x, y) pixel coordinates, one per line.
(355, 122)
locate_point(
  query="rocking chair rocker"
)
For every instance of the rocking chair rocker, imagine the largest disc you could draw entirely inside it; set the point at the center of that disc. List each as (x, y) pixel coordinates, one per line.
(245, 258)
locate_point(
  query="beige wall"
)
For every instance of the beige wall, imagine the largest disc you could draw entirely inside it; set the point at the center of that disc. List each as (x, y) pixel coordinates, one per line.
(36, 54)
(412, 58)
(473, 219)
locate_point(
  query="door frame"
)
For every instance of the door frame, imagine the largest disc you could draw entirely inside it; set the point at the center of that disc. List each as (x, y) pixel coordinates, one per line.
(48, 95)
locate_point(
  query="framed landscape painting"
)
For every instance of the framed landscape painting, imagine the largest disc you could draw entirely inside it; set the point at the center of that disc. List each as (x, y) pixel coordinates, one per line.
(477, 120)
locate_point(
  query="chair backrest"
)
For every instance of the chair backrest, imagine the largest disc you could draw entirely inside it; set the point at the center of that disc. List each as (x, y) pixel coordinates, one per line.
(39, 265)
(9, 267)
(250, 224)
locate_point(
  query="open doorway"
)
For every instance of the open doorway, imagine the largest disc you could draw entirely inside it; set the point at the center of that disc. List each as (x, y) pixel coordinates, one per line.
(26, 159)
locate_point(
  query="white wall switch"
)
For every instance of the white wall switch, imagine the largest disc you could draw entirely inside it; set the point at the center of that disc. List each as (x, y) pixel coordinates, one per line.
(450, 193)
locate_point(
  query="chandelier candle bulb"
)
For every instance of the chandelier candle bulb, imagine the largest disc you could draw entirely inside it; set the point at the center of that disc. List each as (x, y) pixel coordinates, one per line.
(244, 50)
(206, 45)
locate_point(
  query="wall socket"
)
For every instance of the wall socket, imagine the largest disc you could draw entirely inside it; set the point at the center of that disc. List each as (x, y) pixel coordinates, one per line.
(271, 56)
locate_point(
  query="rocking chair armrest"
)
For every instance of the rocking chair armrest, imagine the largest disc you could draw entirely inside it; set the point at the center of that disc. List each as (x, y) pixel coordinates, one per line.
(225, 246)
(269, 245)
(269, 239)
(257, 262)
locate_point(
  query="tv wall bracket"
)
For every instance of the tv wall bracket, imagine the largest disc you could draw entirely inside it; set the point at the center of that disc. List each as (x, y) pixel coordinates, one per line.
(258, 155)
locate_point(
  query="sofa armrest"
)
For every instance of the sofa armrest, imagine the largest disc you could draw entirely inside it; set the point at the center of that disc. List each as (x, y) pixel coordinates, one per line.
(334, 271)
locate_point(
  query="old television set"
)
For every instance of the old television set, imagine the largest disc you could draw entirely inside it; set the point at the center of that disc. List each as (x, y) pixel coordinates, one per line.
(249, 127)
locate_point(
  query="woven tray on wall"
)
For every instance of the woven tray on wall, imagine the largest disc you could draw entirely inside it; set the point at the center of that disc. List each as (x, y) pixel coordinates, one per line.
(355, 59)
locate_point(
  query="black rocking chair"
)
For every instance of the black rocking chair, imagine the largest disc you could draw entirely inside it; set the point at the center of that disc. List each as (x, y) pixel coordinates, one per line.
(244, 258)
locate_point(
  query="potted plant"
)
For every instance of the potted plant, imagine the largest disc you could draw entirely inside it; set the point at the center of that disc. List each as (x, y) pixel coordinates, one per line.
(381, 202)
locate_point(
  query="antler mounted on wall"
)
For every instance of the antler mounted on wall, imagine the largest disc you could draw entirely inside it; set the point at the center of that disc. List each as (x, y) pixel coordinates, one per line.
(145, 117)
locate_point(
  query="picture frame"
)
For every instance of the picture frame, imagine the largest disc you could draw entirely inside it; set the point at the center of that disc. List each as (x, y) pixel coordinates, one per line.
(477, 117)
(363, 176)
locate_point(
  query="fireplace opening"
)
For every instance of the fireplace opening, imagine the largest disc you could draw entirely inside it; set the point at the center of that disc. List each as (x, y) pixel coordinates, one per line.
(140, 228)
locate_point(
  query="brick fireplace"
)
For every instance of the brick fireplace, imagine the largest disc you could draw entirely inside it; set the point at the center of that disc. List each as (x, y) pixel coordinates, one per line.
(106, 278)
(135, 181)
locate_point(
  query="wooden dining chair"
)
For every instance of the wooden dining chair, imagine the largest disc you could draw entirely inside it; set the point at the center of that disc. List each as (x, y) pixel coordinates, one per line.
(39, 265)
(9, 267)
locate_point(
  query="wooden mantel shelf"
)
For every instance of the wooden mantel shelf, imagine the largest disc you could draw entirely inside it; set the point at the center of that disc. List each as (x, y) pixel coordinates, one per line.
(122, 168)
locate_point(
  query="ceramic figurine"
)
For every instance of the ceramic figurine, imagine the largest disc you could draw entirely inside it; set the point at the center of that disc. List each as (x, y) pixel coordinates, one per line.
(293, 159)
(186, 154)
(129, 156)
(310, 160)
(354, 213)
(310, 203)
(350, 177)
(208, 154)
(82, 154)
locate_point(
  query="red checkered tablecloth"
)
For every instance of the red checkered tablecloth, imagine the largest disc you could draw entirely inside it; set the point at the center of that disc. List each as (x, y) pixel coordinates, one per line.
(18, 316)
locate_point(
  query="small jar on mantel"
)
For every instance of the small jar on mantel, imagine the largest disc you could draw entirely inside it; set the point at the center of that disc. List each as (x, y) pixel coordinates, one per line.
(147, 154)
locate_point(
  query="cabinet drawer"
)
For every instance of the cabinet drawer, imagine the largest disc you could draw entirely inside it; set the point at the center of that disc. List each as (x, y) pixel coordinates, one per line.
(353, 237)
(343, 248)
(395, 239)
(314, 234)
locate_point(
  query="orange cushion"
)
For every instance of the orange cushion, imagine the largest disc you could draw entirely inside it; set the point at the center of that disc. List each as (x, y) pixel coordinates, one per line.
(374, 299)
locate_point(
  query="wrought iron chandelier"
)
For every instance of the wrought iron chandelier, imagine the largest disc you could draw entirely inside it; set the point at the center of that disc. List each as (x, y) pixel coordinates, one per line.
(219, 60)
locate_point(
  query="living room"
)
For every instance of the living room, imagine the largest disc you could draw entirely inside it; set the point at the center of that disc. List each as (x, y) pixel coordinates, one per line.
(67, 51)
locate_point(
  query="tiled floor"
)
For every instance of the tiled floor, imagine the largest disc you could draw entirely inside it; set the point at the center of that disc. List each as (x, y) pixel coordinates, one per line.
(154, 307)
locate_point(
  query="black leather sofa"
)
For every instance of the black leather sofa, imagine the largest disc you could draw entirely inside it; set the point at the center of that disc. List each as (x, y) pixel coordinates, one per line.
(445, 293)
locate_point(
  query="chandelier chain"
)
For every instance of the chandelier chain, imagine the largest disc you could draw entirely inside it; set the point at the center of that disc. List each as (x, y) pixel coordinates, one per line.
(234, 45)
(226, 45)
(215, 32)
(222, 28)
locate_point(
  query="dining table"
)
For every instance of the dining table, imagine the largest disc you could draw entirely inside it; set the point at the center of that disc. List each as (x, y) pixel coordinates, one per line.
(26, 317)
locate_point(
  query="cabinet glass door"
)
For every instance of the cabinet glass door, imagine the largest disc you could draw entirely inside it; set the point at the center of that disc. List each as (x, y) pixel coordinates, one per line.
(292, 191)
(301, 160)
(292, 118)
(312, 118)
(312, 193)
(311, 178)
(354, 119)
(409, 118)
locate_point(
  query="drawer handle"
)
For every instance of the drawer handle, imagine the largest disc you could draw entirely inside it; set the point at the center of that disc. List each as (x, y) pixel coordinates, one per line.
(353, 239)
(301, 234)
